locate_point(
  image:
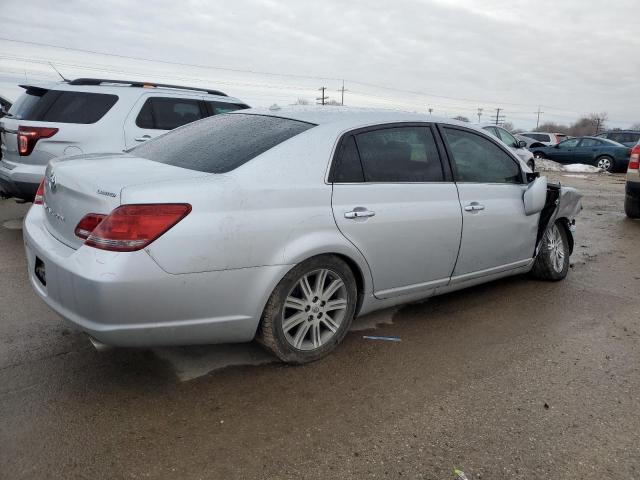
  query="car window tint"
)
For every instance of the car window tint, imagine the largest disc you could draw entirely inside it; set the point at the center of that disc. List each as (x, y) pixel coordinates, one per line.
(590, 142)
(64, 106)
(572, 142)
(220, 143)
(221, 107)
(168, 113)
(400, 154)
(507, 138)
(477, 159)
(347, 167)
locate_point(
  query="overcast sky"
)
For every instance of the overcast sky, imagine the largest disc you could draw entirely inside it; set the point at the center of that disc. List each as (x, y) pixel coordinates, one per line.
(570, 56)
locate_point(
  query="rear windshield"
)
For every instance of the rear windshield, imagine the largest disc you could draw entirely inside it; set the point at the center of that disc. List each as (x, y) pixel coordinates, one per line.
(59, 106)
(221, 143)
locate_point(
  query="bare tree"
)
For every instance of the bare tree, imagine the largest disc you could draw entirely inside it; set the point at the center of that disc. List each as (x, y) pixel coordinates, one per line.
(635, 126)
(460, 118)
(332, 102)
(301, 101)
(553, 128)
(508, 126)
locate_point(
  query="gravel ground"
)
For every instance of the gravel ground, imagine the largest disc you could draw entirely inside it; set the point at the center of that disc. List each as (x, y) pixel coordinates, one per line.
(517, 379)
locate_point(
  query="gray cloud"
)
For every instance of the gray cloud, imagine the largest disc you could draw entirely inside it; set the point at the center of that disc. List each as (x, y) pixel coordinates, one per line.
(572, 57)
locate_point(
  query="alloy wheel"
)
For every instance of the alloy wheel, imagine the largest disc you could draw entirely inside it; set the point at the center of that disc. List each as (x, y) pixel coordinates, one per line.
(605, 164)
(314, 309)
(555, 247)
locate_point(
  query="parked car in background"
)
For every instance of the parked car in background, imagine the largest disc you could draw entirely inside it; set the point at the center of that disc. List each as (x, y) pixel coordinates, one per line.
(545, 138)
(517, 146)
(628, 138)
(91, 115)
(605, 154)
(632, 187)
(5, 105)
(285, 225)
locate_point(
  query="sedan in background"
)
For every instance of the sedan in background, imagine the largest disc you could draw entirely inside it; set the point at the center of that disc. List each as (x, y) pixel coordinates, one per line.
(608, 155)
(284, 224)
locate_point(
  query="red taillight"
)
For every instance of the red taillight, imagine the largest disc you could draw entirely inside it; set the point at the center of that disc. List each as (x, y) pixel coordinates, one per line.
(132, 227)
(28, 136)
(88, 224)
(634, 159)
(39, 198)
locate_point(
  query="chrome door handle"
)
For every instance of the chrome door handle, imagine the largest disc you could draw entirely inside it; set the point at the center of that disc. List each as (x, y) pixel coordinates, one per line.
(474, 207)
(143, 138)
(357, 213)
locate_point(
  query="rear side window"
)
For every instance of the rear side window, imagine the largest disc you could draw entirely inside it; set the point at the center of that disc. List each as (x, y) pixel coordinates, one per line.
(399, 154)
(216, 108)
(479, 160)
(63, 106)
(161, 113)
(347, 167)
(590, 142)
(220, 143)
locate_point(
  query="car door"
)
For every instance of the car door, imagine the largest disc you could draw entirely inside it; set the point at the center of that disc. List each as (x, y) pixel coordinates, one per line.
(154, 115)
(497, 235)
(396, 202)
(586, 151)
(564, 152)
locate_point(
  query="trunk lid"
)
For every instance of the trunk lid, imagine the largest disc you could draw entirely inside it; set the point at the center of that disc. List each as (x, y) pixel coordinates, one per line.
(76, 186)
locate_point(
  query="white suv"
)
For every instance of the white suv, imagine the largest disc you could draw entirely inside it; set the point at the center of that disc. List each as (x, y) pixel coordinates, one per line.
(90, 115)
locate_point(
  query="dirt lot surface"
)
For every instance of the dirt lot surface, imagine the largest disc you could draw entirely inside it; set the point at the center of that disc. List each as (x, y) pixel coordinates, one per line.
(517, 379)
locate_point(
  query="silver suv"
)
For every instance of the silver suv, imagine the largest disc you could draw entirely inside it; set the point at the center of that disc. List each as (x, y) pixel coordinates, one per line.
(89, 115)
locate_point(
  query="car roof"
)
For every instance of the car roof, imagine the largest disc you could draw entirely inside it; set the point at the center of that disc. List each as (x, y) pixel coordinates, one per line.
(126, 89)
(348, 117)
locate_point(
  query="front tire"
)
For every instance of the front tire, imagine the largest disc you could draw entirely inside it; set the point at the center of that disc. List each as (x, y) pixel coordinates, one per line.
(632, 207)
(310, 310)
(552, 262)
(539, 155)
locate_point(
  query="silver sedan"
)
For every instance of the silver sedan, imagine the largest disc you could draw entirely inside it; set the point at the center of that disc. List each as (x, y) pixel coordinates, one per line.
(283, 225)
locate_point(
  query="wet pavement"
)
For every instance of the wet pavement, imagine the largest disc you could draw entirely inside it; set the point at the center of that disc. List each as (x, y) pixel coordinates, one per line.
(517, 379)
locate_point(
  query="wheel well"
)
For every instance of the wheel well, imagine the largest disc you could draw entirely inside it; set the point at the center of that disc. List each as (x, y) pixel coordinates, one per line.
(564, 222)
(357, 274)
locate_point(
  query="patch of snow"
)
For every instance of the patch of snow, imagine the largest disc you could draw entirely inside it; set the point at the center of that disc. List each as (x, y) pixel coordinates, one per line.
(546, 165)
(573, 175)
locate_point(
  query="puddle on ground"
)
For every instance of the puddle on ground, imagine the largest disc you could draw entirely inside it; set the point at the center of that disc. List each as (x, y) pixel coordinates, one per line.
(13, 224)
(195, 361)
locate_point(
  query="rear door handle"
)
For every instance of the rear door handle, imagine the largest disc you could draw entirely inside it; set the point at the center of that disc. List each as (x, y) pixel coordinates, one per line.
(474, 207)
(143, 138)
(359, 212)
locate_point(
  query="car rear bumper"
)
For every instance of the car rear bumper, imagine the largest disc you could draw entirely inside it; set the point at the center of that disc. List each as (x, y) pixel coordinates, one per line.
(126, 299)
(20, 180)
(632, 189)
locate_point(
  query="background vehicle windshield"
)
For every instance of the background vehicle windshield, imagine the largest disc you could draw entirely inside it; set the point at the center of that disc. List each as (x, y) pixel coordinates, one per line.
(221, 143)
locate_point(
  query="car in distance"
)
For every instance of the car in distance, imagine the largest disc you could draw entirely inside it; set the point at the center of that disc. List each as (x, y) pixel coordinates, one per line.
(517, 146)
(628, 138)
(5, 105)
(545, 138)
(605, 154)
(89, 115)
(284, 225)
(632, 187)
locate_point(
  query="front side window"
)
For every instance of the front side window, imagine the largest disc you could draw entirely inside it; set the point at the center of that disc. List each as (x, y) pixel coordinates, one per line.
(220, 143)
(572, 142)
(507, 138)
(216, 108)
(399, 154)
(479, 160)
(162, 113)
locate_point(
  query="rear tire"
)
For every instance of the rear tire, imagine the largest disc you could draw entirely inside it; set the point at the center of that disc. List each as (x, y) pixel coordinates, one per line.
(552, 262)
(310, 310)
(606, 163)
(538, 155)
(632, 207)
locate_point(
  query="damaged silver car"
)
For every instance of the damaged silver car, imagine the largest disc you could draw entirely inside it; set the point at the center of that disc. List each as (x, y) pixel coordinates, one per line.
(285, 224)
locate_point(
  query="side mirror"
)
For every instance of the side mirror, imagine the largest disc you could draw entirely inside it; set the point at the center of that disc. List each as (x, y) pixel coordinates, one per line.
(535, 196)
(522, 144)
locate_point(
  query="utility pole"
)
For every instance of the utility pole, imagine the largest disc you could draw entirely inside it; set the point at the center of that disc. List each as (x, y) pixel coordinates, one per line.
(342, 90)
(499, 118)
(538, 121)
(479, 114)
(322, 98)
(430, 111)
